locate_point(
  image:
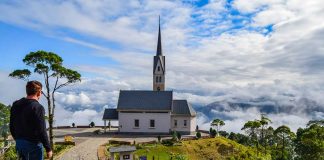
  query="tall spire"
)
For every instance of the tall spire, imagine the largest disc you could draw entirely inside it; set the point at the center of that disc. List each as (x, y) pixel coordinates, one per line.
(159, 45)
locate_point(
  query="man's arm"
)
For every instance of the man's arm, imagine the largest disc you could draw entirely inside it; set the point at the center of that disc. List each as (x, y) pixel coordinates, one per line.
(11, 123)
(40, 118)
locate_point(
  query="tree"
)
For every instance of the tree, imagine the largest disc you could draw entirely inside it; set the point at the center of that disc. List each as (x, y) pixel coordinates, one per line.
(309, 142)
(73, 125)
(252, 129)
(50, 66)
(4, 120)
(284, 138)
(198, 135)
(218, 123)
(264, 122)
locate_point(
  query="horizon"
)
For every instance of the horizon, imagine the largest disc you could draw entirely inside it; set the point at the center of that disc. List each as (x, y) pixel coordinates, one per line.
(225, 51)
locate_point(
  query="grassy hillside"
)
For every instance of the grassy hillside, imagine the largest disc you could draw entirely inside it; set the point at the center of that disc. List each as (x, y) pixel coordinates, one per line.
(202, 149)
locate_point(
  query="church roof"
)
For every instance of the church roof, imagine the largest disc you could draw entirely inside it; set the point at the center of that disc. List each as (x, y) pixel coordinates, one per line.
(110, 114)
(182, 107)
(138, 100)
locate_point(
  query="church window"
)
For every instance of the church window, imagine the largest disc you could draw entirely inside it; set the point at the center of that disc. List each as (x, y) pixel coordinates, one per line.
(156, 79)
(158, 88)
(160, 79)
(136, 123)
(185, 123)
(158, 68)
(126, 156)
(152, 123)
(175, 123)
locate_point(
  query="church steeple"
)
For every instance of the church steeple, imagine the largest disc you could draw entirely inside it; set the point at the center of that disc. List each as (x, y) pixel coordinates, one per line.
(159, 66)
(159, 45)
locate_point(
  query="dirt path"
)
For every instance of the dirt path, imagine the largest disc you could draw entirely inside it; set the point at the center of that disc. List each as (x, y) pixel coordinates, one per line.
(86, 150)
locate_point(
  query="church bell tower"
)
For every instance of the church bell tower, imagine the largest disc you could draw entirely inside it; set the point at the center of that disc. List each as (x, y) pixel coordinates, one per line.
(159, 66)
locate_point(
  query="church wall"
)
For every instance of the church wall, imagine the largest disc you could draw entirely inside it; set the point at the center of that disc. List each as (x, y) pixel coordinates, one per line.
(191, 124)
(127, 124)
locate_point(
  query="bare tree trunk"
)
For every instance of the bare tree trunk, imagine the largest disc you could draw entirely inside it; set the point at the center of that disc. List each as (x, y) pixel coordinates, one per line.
(50, 116)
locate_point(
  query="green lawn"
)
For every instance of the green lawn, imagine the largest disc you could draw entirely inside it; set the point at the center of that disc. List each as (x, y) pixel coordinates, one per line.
(211, 148)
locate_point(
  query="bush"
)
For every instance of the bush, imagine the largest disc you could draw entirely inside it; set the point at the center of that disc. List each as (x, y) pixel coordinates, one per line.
(167, 142)
(92, 124)
(174, 136)
(198, 135)
(179, 136)
(159, 138)
(213, 133)
(11, 153)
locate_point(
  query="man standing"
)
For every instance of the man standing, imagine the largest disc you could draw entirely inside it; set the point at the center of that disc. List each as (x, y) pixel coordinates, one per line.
(27, 124)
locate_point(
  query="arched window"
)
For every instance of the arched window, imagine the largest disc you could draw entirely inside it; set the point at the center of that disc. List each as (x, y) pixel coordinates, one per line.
(158, 68)
(160, 79)
(156, 79)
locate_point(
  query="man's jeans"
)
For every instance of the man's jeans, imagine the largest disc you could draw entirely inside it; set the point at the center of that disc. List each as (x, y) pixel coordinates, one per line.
(28, 150)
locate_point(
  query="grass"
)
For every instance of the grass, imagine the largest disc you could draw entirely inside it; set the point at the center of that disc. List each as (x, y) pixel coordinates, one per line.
(211, 148)
(12, 155)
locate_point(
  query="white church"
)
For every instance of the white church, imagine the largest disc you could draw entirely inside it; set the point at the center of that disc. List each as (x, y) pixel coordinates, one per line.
(152, 111)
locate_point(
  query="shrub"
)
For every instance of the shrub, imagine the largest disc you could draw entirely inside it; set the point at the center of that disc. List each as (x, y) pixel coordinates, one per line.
(159, 138)
(213, 133)
(167, 142)
(174, 135)
(92, 124)
(198, 135)
(179, 136)
(11, 153)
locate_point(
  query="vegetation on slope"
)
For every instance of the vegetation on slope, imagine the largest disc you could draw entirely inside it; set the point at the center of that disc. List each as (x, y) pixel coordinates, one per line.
(210, 148)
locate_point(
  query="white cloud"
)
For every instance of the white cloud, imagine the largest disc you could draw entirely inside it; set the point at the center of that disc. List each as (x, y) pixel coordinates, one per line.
(206, 60)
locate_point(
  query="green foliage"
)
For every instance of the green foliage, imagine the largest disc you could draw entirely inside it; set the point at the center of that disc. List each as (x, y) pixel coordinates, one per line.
(73, 125)
(167, 142)
(198, 135)
(159, 138)
(218, 123)
(92, 124)
(179, 135)
(11, 154)
(223, 133)
(212, 132)
(4, 120)
(21, 74)
(174, 136)
(284, 141)
(309, 142)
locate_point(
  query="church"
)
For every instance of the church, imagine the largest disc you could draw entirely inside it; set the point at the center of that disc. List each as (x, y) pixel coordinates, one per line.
(152, 111)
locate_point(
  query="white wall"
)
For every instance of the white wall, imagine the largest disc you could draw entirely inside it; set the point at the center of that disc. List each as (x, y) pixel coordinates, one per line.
(191, 123)
(162, 122)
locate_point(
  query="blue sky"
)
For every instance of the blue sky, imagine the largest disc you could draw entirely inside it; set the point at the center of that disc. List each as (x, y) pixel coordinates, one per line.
(217, 50)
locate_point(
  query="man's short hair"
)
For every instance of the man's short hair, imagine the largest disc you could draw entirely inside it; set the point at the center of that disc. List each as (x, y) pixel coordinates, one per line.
(32, 87)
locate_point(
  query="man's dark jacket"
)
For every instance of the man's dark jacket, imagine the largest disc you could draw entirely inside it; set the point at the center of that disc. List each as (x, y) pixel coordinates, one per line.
(27, 121)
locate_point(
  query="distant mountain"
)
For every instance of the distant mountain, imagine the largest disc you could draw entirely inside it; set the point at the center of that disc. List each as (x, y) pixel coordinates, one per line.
(263, 104)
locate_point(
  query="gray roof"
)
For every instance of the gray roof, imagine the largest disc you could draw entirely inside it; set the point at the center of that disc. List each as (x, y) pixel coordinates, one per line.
(136, 100)
(122, 148)
(182, 107)
(111, 114)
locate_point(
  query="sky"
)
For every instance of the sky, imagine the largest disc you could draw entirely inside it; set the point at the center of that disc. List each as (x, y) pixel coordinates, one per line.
(216, 51)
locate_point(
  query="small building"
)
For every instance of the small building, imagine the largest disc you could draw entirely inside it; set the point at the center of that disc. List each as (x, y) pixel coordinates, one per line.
(153, 111)
(125, 152)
